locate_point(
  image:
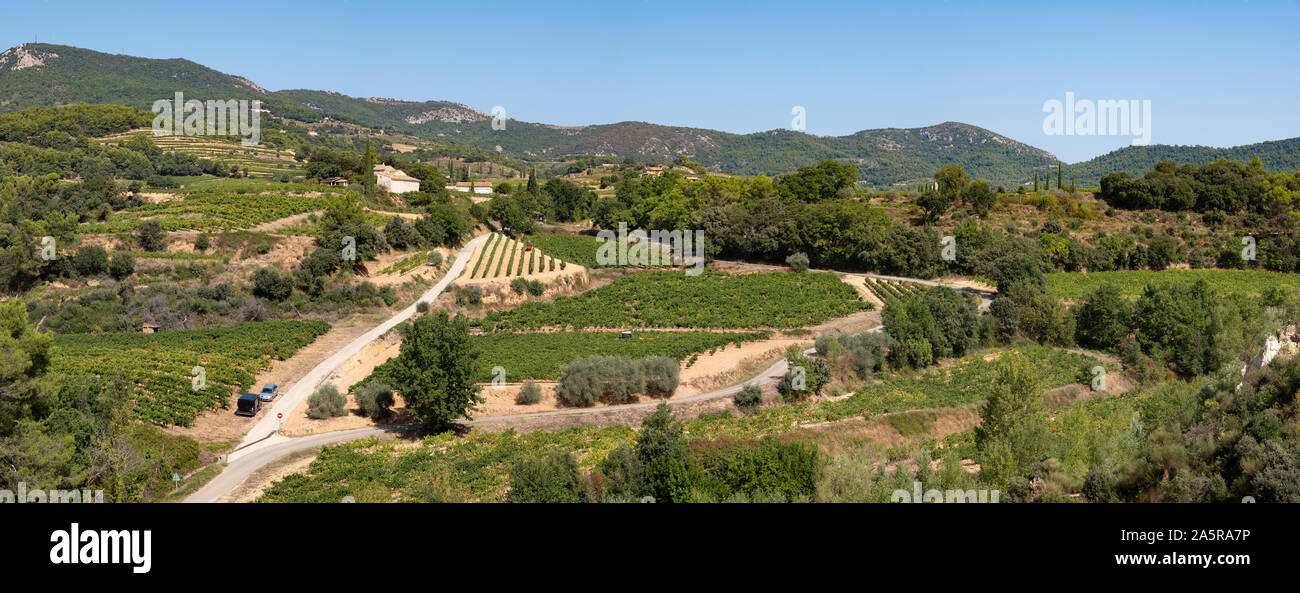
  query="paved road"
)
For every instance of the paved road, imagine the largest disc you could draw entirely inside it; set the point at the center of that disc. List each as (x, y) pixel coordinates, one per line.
(263, 434)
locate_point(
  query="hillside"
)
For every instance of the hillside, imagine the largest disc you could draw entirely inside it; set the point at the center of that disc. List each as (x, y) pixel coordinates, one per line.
(35, 75)
(1277, 156)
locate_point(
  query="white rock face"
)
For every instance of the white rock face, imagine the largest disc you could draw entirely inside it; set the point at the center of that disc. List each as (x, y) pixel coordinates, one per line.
(1283, 343)
(19, 57)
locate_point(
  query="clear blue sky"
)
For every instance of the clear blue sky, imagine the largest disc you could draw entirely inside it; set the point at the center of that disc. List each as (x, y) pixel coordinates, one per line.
(1219, 73)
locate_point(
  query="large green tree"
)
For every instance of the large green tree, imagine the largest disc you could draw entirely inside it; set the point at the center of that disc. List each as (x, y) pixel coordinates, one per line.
(1012, 433)
(434, 372)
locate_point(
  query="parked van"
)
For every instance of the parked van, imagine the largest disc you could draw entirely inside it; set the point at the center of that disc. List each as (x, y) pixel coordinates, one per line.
(249, 405)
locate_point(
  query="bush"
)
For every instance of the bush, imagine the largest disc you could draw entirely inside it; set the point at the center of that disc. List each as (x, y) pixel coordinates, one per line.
(151, 237)
(375, 399)
(522, 285)
(327, 402)
(422, 307)
(616, 379)
(798, 261)
(434, 258)
(530, 393)
(550, 478)
(748, 398)
(90, 260)
(469, 295)
(270, 284)
(201, 242)
(121, 266)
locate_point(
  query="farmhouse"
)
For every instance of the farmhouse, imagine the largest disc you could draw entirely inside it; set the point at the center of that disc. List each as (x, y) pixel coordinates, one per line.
(335, 181)
(395, 180)
(478, 187)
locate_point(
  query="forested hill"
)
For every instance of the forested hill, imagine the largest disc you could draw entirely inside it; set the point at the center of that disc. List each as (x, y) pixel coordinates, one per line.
(1277, 156)
(42, 75)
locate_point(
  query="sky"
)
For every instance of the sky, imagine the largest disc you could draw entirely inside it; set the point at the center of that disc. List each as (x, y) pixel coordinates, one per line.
(1216, 73)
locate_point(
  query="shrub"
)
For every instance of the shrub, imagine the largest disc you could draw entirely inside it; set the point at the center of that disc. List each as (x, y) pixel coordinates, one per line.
(150, 235)
(327, 402)
(522, 285)
(530, 393)
(616, 379)
(90, 260)
(434, 258)
(550, 478)
(798, 261)
(121, 266)
(270, 284)
(201, 242)
(375, 399)
(748, 398)
(469, 295)
(422, 307)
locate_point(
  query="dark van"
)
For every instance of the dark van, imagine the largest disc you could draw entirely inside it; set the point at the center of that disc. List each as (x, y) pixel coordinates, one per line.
(249, 405)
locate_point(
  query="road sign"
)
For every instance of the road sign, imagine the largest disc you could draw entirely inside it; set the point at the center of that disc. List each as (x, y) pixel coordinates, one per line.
(176, 481)
(279, 414)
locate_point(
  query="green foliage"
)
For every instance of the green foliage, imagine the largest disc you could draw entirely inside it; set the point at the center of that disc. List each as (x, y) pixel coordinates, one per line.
(616, 379)
(798, 261)
(375, 399)
(748, 398)
(673, 299)
(1013, 423)
(529, 393)
(552, 477)
(435, 368)
(326, 402)
(540, 355)
(161, 365)
(150, 236)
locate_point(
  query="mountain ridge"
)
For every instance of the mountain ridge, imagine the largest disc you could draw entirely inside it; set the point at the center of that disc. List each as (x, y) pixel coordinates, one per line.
(41, 75)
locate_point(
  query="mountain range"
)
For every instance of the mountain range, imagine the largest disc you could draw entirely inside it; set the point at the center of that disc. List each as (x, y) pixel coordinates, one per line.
(42, 75)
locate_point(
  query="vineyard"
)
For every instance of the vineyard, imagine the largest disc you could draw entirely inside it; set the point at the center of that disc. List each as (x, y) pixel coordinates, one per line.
(503, 257)
(1131, 282)
(407, 263)
(540, 355)
(579, 249)
(892, 290)
(257, 160)
(161, 365)
(208, 212)
(674, 299)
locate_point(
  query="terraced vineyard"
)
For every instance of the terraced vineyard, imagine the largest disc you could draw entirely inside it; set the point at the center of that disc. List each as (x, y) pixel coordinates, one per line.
(891, 290)
(710, 300)
(503, 257)
(208, 212)
(259, 161)
(579, 249)
(162, 365)
(1131, 282)
(540, 355)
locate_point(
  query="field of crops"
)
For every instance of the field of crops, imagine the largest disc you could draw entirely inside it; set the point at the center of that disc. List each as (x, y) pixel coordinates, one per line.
(540, 355)
(161, 365)
(407, 263)
(208, 212)
(579, 249)
(890, 290)
(710, 300)
(1132, 282)
(503, 257)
